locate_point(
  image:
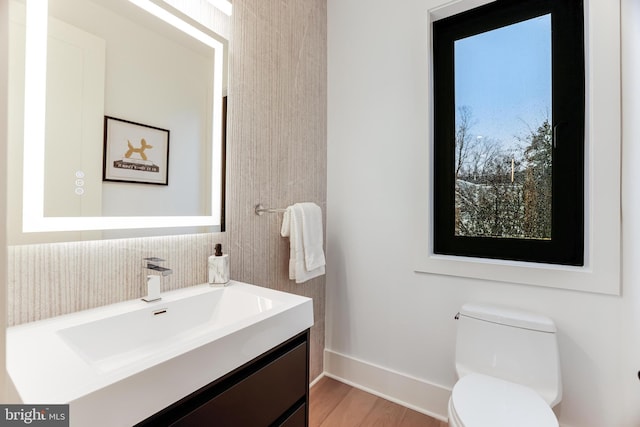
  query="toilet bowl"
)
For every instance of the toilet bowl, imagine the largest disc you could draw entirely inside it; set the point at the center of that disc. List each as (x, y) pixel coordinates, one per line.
(479, 400)
(508, 366)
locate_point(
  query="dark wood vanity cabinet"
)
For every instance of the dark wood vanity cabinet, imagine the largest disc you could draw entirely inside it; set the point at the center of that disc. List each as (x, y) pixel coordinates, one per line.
(271, 390)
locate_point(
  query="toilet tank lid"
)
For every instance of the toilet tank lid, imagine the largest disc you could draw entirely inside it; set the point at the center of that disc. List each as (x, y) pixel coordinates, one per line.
(508, 316)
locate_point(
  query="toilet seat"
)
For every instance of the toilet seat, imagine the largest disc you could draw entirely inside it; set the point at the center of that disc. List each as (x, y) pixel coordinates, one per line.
(479, 400)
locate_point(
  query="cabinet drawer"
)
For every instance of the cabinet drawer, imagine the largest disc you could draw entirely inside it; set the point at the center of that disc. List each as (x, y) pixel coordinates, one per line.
(259, 399)
(297, 419)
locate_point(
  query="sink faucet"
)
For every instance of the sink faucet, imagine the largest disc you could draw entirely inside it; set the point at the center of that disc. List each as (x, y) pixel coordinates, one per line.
(153, 281)
(151, 264)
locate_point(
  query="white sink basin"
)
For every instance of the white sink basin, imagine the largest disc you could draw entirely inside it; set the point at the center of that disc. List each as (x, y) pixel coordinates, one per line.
(116, 341)
(140, 357)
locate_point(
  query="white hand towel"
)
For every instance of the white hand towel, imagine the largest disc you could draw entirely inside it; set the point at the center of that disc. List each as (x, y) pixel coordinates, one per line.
(311, 235)
(302, 223)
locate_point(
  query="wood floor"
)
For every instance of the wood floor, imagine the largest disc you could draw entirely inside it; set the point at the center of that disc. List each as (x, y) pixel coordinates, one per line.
(335, 404)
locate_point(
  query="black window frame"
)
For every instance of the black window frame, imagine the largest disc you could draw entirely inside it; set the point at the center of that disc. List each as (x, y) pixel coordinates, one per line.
(566, 245)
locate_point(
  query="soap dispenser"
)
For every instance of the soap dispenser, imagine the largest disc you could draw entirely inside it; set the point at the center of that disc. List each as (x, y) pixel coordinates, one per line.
(218, 267)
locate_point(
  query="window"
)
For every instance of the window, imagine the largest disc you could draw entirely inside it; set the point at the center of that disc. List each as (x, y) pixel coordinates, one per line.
(509, 110)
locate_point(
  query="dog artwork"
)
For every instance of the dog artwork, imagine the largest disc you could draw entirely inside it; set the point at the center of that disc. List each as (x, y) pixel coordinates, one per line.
(140, 151)
(141, 164)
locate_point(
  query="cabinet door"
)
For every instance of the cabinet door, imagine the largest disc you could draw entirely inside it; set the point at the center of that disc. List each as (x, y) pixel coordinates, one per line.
(259, 399)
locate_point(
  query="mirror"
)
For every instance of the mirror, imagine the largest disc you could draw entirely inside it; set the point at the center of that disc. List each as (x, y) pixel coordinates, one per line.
(156, 70)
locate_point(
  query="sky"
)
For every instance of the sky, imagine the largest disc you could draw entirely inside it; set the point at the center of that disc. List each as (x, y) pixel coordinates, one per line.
(504, 76)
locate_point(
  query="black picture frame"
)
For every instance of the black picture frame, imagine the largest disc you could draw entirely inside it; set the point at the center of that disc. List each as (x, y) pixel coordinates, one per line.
(135, 152)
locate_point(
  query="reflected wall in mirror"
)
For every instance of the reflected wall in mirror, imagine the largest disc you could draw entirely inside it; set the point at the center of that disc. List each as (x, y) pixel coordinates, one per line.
(112, 58)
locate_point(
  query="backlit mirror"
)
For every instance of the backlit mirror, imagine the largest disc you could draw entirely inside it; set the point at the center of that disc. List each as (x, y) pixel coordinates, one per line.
(123, 117)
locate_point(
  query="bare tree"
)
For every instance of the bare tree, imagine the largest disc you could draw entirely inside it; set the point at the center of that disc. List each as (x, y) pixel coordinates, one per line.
(463, 136)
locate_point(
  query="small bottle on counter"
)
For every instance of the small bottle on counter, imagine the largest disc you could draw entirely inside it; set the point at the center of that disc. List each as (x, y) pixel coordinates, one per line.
(218, 267)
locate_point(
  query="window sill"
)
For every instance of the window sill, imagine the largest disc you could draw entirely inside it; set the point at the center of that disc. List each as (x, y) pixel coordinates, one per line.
(604, 279)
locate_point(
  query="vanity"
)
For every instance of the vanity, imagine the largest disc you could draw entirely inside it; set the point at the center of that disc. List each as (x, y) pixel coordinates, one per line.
(236, 355)
(272, 389)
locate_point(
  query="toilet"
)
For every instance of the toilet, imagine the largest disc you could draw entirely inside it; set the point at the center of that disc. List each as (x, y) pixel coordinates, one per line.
(508, 369)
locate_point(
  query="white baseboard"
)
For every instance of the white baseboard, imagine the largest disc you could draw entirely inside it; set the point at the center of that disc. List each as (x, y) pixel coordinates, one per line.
(419, 395)
(315, 381)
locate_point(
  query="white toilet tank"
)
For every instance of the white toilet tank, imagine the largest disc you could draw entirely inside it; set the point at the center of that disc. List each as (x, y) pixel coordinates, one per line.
(511, 344)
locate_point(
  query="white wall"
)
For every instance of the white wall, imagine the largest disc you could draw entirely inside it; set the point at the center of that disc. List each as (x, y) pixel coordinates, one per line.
(4, 78)
(629, 384)
(382, 314)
